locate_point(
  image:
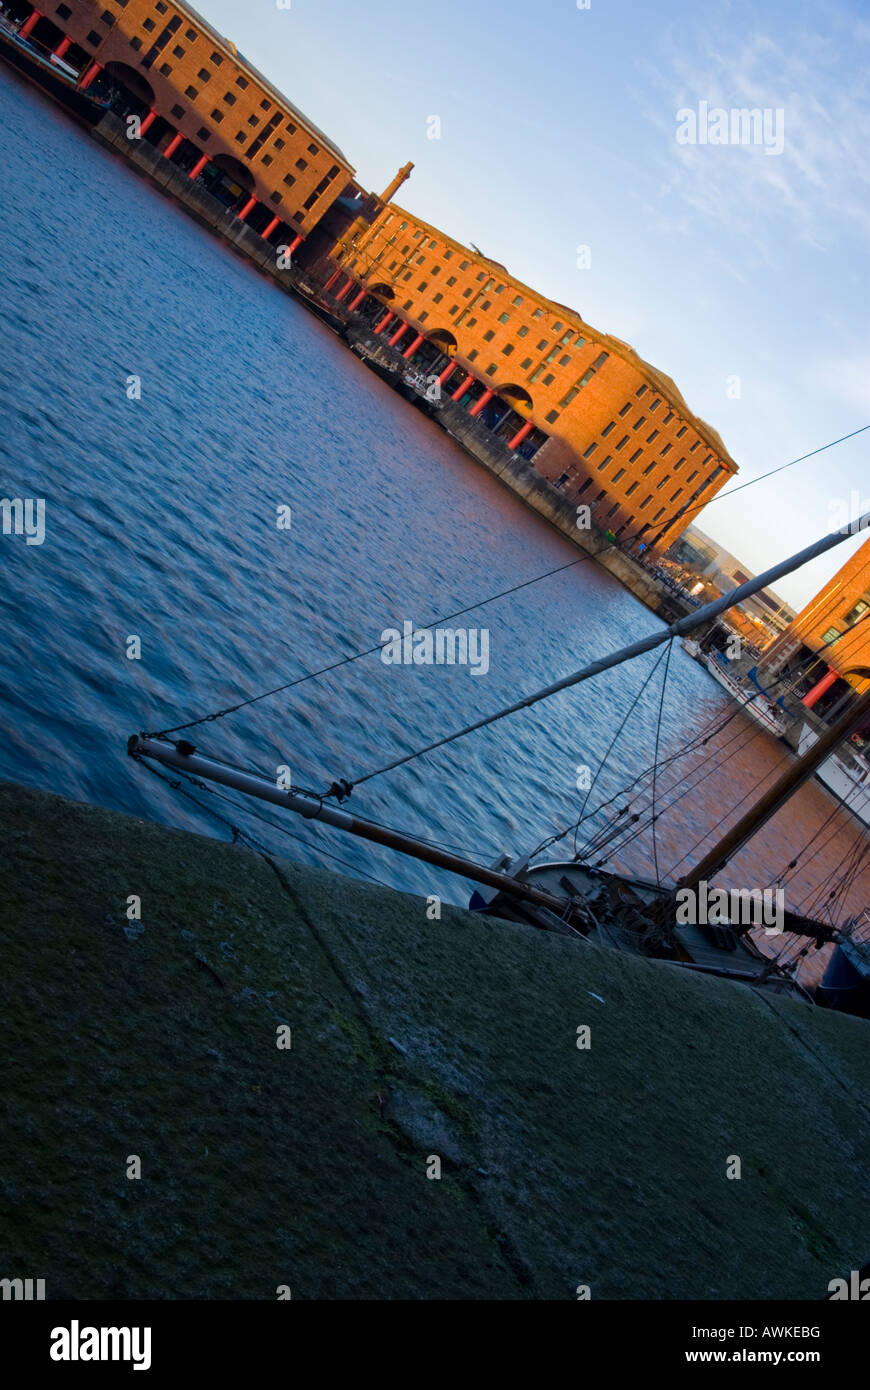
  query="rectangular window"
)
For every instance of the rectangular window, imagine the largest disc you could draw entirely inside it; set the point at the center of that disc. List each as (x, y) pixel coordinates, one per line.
(656, 403)
(437, 298)
(579, 342)
(607, 428)
(632, 488)
(190, 35)
(542, 345)
(564, 361)
(666, 449)
(302, 164)
(146, 24)
(253, 120)
(696, 445)
(569, 396)
(600, 360)
(491, 369)
(504, 318)
(136, 43)
(231, 101)
(536, 374)
(472, 355)
(517, 301)
(635, 456)
(178, 51)
(508, 350)
(203, 134)
(538, 314)
(177, 112)
(622, 443)
(668, 418)
(165, 69)
(855, 613)
(637, 424)
(625, 409)
(488, 335)
(551, 416)
(675, 495)
(640, 390)
(604, 462)
(587, 376)
(107, 18)
(522, 332)
(64, 11)
(830, 635)
(681, 431)
(620, 473)
(590, 451)
(241, 82)
(422, 286)
(549, 379)
(649, 468)
(216, 59)
(551, 356)
(651, 437)
(191, 92)
(204, 75)
(289, 180)
(645, 503)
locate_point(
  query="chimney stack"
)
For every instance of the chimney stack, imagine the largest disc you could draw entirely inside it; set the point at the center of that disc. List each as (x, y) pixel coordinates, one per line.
(392, 188)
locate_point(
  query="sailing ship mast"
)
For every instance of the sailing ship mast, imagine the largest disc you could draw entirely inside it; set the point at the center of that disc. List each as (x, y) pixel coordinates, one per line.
(184, 756)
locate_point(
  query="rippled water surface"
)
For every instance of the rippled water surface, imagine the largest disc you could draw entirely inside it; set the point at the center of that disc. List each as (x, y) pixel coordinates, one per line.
(161, 524)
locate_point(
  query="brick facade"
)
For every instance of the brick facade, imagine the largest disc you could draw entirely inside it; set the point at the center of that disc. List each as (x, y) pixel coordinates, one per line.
(209, 95)
(621, 437)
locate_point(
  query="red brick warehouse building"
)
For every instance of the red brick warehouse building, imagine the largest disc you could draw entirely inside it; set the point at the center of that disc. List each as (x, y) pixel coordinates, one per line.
(201, 104)
(600, 423)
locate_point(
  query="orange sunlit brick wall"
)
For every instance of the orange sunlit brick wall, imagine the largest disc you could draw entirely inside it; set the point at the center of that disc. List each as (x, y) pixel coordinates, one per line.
(836, 623)
(208, 93)
(621, 437)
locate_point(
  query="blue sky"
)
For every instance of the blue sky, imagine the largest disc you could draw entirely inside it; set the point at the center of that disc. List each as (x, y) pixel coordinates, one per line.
(558, 130)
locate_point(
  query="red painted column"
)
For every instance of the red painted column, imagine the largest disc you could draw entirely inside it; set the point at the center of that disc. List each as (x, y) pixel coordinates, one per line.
(332, 279)
(521, 435)
(270, 229)
(295, 243)
(445, 374)
(409, 352)
(62, 47)
(29, 24)
(388, 318)
(399, 333)
(198, 167)
(90, 75)
(819, 689)
(173, 145)
(343, 291)
(463, 387)
(357, 299)
(148, 121)
(478, 405)
(249, 207)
